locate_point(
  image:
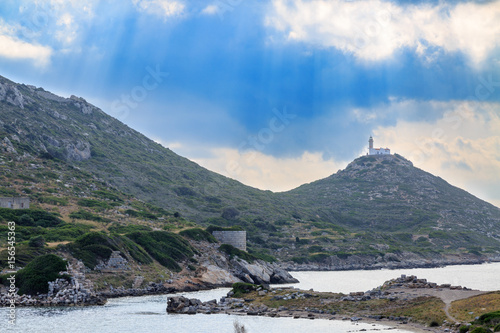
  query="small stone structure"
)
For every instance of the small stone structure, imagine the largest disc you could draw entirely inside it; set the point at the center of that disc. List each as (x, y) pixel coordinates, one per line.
(115, 263)
(15, 203)
(238, 239)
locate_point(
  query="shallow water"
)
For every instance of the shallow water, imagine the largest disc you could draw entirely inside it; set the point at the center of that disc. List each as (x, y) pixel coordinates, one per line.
(482, 277)
(147, 313)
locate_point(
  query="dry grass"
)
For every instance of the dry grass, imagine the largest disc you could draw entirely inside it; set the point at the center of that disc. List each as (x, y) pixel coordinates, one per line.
(424, 310)
(53, 245)
(478, 305)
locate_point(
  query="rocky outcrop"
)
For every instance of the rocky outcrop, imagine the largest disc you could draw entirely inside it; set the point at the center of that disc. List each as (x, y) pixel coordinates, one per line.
(260, 272)
(7, 146)
(218, 269)
(72, 289)
(78, 151)
(11, 94)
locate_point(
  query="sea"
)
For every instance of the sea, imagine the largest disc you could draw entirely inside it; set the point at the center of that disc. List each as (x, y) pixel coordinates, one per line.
(148, 313)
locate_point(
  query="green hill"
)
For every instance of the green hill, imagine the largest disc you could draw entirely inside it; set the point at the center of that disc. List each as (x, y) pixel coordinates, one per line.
(73, 159)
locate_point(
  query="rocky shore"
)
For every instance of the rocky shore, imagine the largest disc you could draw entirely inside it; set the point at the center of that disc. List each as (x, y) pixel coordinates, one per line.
(395, 295)
(215, 271)
(405, 260)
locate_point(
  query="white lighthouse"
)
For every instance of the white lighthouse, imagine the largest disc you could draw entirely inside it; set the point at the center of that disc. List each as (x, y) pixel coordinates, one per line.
(377, 151)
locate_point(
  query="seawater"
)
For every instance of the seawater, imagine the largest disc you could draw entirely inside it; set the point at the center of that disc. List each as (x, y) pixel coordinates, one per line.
(147, 313)
(481, 277)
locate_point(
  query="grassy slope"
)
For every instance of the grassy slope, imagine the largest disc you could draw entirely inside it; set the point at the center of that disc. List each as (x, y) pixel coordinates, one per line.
(415, 211)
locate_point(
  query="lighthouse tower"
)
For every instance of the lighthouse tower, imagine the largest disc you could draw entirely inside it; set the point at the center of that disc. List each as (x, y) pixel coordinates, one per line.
(377, 151)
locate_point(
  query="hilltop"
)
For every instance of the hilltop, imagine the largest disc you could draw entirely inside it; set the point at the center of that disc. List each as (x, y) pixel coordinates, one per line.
(74, 160)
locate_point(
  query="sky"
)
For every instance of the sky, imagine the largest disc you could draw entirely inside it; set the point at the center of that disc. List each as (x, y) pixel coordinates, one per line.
(278, 93)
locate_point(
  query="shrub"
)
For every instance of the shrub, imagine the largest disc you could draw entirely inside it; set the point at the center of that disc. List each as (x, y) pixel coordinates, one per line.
(26, 220)
(490, 318)
(463, 329)
(34, 278)
(198, 234)
(212, 228)
(92, 203)
(240, 288)
(480, 330)
(30, 217)
(92, 247)
(230, 213)
(84, 215)
(232, 252)
(37, 241)
(166, 247)
(123, 229)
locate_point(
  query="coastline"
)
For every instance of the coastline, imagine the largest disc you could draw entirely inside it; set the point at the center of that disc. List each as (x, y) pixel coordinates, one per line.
(367, 266)
(406, 302)
(186, 284)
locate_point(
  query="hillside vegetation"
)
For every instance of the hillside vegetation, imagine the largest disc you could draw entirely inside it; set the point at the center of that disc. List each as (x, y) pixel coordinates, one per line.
(88, 172)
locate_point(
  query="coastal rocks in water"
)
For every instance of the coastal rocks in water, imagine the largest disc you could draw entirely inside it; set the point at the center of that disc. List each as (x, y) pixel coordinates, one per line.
(260, 272)
(218, 269)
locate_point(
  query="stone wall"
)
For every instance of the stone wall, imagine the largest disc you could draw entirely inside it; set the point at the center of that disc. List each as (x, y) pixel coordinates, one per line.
(238, 239)
(15, 203)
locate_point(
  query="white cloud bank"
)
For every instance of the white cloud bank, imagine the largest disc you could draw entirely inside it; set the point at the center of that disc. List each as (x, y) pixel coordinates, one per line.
(163, 8)
(376, 30)
(268, 172)
(13, 48)
(462, 146)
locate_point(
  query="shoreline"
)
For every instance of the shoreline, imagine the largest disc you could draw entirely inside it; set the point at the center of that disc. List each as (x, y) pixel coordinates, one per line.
(293, 267)
(101, 297)
(396, 303)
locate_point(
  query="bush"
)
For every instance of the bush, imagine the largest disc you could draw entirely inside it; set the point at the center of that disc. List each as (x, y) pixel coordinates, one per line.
(198, 234)
(480, 330)
(212, 228)
(166, 247)
(240, 288)
(141, 214)
(463, 329)
(92, 203)
(37, 241)
(232, 252)
(30, 217)
(92, 247)
(34, 278)
(490, 318)
(124, 229)
(230, 213)
(84, 215)
(26, 220)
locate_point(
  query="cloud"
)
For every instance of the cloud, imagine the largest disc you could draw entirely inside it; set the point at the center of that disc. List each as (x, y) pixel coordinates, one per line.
(13, 48)
(267, 172)
(462, 146)
(210, 10)
(163, 8)
(375, 30)
(57, 22)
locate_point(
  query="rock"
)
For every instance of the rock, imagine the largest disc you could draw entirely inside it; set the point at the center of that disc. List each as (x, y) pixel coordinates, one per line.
(11, 94)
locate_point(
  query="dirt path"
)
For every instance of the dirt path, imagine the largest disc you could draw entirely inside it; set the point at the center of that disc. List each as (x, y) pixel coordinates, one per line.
(448, 296)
